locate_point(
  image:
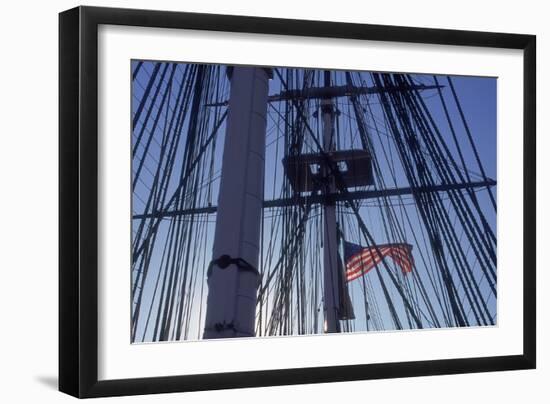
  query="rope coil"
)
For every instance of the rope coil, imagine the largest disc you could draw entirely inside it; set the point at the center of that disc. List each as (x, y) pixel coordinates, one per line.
(224, 261)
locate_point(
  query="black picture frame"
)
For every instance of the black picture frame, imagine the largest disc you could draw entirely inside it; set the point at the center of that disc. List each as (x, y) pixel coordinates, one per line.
(78, 201)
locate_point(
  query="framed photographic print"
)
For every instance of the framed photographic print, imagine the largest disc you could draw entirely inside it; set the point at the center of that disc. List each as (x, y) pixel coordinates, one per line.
(250, 201)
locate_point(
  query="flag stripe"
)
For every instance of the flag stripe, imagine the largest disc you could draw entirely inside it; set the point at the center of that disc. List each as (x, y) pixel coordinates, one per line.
(367, 258)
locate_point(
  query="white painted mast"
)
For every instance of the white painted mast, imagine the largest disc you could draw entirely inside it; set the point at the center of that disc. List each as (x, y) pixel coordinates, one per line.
(331, 267)
(233, 278)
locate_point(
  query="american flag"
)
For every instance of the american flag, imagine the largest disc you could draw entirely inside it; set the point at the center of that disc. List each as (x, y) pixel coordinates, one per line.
(360, 260)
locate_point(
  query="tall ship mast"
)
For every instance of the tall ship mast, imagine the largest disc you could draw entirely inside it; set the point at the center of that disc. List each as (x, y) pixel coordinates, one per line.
(275, 201)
